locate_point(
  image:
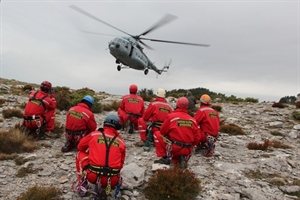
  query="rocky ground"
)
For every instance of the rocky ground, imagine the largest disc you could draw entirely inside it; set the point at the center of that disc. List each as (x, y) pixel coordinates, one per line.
(234, 173)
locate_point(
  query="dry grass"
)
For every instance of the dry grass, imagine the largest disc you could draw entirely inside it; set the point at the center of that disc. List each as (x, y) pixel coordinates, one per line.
(267, 144)
(276, 133)
(113, 106)
(217, 108)
(41, 193)
(278, 105)
(15, 141)
(12, 112)
(231, 129)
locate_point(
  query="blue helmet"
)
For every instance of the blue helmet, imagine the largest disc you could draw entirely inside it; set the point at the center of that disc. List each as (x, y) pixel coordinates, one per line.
(112, 120)
(89, 99)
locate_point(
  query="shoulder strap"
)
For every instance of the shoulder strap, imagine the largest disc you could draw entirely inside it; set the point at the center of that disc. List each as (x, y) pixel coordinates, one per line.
(41, 100)
(107, 147)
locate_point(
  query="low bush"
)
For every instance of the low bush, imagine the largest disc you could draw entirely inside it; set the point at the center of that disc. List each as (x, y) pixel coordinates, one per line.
(217, 108)
(16, 141)
(38, 193)
(231, 129)
(296, 114)
(259, 146)
(12, 112)
(113, 106)
(278, 105)
(174, 183)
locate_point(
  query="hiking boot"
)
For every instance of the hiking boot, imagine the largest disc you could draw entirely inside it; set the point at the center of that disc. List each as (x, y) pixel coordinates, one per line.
(210, 152)
(130, 128)
(140, 143)
(165, 161)
(50, 134)
(66, 148)
(83, 187)
(182, 162)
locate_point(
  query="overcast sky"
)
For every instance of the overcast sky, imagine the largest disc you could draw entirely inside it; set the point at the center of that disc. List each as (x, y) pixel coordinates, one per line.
(254, 48)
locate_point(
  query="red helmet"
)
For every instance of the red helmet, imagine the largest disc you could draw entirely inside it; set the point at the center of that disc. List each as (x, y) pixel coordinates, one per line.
(46, 86)
(133, 89)
(182, 103)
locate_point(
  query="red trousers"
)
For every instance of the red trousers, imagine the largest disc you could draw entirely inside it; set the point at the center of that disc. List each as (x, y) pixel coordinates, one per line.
(175, 150)
(82, 160)
(142, 127)
(124, 117)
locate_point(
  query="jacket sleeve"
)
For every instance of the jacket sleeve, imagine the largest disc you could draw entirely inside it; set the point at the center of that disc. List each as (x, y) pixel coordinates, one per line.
(92, 124)
(51, 102)
(148, 112)
(84, 143)
(197, 135)
(165, 127)
(199, 116)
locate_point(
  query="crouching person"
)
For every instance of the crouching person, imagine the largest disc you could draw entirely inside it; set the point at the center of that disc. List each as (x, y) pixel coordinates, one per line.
(177, 136)
(100, 158)
(80, 121)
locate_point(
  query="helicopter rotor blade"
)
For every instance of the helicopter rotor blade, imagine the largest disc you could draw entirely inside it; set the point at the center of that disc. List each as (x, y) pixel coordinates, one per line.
(95, 18)
(147, 46)
(166, 19)
(99, 33)
(175, 42)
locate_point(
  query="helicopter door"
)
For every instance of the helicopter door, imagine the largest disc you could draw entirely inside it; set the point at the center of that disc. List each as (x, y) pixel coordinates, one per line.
(131, 50)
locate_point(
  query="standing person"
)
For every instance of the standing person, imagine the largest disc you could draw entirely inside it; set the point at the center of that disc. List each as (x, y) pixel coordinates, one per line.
(192, 102)
(80, 121)
(208, 120)
(101, 156)
(156, 113)
(177, 136)
(131, 108)
(40, 109)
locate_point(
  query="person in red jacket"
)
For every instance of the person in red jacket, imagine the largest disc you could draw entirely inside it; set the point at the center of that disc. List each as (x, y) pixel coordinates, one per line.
(177, 136)
(131, 108)
(80, 121)
(208, 120)
(101, 156)
(40, 109)
(156, 113)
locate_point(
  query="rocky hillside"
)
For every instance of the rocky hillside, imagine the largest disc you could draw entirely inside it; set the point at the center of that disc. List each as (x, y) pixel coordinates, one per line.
(234, 173)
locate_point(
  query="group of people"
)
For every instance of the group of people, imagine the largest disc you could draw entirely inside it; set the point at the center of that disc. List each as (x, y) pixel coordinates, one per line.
(101, 152)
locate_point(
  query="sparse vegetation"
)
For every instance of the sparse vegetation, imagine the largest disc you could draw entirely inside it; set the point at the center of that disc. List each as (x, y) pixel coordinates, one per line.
(217, 108)
(296, 114)
(15, 141)
(28, 87)
(297, 104)
(23, 171)
(278, 105)
(113, 106)
(38, 193)
(276, 133)
(231, 129)
(266, 145)
(12, 112)
(174, 183)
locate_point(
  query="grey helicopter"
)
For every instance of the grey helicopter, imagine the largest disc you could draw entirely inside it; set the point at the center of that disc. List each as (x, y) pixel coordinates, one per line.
(128, 50)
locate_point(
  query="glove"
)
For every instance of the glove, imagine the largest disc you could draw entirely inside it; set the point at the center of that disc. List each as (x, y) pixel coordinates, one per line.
(52, 91)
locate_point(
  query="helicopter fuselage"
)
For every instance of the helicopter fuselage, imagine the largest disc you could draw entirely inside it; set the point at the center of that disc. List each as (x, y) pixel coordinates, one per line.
(128, 52)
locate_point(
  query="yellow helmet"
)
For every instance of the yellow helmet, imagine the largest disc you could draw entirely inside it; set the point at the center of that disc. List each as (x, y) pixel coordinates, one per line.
(205, 99)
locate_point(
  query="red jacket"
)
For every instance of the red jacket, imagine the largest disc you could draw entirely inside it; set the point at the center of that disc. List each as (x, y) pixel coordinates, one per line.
(132, 103)
(208, 119)
(95, 144)
(40, 104)
(80, 118)
(181, 127)
(157, 110)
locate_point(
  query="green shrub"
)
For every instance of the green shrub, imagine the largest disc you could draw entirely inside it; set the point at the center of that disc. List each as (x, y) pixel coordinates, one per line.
(296, 114)
(174, 183)
(38, 193)
(252, 100)
(231, 129)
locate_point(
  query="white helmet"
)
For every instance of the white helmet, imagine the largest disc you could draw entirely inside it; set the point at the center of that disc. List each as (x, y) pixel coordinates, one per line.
(161, 93)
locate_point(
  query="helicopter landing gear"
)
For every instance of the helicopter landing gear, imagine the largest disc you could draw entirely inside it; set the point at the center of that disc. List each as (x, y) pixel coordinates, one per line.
(117, 61)
(119, 67)
(146, 71)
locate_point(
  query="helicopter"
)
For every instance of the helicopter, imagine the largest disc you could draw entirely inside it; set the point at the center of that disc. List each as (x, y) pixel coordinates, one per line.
(128, 51)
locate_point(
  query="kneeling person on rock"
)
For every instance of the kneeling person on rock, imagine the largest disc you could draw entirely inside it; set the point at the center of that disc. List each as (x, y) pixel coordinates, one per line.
(101, 157)
(80, 121)
(177, 136)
